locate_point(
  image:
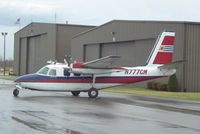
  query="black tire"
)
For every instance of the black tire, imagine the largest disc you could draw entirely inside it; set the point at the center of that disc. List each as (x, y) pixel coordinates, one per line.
(93, 93)
(75, 93)
(15, 92)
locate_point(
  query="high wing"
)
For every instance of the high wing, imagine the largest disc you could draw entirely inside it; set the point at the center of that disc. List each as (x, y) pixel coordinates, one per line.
(173, 65)
(99, 66)
(102, 63)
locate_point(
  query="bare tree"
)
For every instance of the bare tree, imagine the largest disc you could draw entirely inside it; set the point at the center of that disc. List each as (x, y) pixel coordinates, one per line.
(8, 63)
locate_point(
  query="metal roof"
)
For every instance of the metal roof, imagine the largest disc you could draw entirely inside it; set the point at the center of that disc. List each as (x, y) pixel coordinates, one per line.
(137, 21)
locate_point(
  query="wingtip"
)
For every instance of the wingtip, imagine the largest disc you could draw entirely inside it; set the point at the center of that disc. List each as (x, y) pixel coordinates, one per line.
(114, 56)
(169, 31)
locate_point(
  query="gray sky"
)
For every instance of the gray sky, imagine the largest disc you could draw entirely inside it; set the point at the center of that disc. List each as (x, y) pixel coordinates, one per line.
(90, 12)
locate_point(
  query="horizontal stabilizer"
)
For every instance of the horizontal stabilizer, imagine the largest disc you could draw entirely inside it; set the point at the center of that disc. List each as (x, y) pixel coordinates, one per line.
(173, 65)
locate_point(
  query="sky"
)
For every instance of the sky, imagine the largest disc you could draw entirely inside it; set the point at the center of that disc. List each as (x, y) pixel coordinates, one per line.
(89, 12)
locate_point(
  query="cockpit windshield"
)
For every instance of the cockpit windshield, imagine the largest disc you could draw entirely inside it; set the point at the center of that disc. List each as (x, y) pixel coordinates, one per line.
(43, 70)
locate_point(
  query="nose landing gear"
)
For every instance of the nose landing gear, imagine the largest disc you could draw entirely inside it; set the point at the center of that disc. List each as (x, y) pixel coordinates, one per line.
(15, 92)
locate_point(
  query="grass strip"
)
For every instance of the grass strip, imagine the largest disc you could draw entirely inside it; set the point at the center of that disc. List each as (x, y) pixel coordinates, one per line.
(8, 78)
(147, 92)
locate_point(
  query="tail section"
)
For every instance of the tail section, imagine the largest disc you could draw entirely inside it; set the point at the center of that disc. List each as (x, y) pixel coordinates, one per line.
(163, 50)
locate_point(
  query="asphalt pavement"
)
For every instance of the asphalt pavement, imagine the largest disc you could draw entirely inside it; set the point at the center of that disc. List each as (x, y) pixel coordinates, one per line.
(36, 112)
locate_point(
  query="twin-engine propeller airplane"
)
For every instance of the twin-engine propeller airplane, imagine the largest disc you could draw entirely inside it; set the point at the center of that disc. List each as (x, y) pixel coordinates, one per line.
(99, 74)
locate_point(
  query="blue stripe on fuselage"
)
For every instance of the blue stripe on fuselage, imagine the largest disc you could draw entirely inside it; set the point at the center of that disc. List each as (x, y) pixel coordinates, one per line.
(32, 77)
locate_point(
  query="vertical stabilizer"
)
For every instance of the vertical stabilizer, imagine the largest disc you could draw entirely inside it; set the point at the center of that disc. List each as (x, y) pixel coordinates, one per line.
(163, 50)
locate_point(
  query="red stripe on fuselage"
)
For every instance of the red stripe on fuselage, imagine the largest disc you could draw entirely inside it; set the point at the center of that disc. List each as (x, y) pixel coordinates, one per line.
(98, 80)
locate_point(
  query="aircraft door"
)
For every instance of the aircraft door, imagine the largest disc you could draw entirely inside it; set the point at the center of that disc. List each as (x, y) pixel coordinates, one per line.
(66, 72)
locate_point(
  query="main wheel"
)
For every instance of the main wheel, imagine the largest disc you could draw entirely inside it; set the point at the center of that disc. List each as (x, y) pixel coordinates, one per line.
(15, 92)
(93, 93)
(75, 93)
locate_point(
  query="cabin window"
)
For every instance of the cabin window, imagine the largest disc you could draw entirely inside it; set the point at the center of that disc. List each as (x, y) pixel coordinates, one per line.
(66, 72)
(43, 70)
(75, 74)
(52, 72)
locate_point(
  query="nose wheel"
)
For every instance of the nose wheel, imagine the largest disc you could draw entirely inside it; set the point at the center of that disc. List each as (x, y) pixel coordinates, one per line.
(93, 93)
(15, 92)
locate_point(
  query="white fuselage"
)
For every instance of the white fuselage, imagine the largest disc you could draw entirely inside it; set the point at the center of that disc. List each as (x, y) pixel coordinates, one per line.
(85, 82)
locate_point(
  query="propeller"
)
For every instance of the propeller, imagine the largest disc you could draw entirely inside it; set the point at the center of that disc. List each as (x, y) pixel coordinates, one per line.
(68, 60)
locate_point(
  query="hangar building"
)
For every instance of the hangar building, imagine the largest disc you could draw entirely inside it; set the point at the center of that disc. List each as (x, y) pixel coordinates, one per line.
(37, 43)
(134, 40)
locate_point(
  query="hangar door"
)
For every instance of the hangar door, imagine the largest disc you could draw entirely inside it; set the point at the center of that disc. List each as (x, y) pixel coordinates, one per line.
(31, 54)
(23, 56)
(91, 52)
(39, 52)
(132, 53)
(33, 48)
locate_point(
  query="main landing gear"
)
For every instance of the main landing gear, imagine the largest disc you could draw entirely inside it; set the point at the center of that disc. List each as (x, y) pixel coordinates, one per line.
(93, 93)
(15, 92)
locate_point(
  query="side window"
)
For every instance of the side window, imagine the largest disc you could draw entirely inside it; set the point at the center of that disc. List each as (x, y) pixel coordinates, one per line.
(66, 72)
(75, 74)
(52, 72)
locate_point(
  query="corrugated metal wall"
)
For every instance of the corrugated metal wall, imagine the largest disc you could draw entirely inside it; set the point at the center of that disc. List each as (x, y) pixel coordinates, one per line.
(17, 48)
(34, 45)
(192, 64)
(91, 52)
(31, 55)
(130, 51)
(23, 56)
(37, 55)
(37, 43)
(124, 49)
(64, 34)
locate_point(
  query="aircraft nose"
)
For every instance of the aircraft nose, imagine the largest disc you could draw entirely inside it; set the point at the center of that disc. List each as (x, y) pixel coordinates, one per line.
(25, 78)
(20, 79)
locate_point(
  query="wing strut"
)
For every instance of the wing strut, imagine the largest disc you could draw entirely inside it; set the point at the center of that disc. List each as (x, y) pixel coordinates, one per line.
(93, 92)
(93, 80)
